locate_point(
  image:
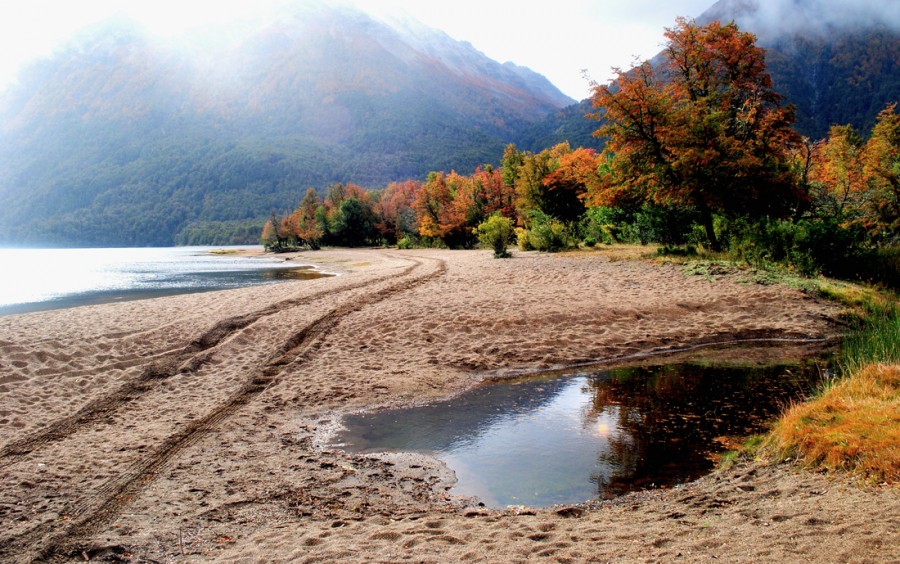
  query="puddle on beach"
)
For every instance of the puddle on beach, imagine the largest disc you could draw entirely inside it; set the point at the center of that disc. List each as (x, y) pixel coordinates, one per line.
(540, 441)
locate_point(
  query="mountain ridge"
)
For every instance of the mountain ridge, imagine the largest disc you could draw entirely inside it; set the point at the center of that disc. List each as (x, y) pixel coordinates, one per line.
(120, 139)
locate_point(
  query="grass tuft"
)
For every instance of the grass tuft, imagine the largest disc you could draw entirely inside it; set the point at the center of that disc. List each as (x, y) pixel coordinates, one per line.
(853, 425)
(854, 422)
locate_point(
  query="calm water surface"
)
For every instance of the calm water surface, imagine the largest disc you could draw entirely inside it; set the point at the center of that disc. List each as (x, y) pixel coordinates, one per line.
(543, 441)
(41, 279)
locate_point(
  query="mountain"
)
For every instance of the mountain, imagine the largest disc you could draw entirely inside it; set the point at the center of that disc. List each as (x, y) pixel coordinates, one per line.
(836, 61)
(124, 139)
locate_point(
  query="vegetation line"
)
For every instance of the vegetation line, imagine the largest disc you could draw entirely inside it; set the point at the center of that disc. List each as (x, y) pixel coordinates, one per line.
(700, 155)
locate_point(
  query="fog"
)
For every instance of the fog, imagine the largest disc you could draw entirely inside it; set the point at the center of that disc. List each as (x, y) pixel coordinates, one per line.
(773, 18)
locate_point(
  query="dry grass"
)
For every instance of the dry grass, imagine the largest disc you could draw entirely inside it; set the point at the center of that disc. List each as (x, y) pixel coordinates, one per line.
(853, 425)
(614, 253)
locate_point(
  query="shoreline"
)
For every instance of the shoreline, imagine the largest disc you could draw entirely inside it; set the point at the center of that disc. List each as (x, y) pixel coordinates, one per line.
(185, 427)
(117, 295)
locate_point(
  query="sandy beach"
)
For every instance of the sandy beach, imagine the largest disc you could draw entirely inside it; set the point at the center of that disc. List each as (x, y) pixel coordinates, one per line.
(192, 427)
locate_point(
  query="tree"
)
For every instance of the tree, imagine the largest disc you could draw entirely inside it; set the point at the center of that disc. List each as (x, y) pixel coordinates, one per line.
(496, 232)
(395, 209)
(510, 165)
(269, 237)
(837, 167)
(497, 195)
(439, 212)
(355, 223)
(572, 173)
(881, 168)
(303, 220)
(707, 130)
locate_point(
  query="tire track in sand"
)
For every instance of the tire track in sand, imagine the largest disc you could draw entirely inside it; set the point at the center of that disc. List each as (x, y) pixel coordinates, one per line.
(187, 359)
(102, 506)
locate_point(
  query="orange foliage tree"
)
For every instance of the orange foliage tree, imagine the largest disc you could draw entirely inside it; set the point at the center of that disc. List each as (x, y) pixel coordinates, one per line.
(397, 218)
(552, 182)
(837, 167)
(707, 130)
(859, 181)
(497, 195)
(303, 221)
(881, 169)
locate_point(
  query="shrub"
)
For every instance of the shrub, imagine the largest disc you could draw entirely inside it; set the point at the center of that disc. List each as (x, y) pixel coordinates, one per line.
(669, 225)
(546, 234)
(522, 239)
(809, 246)
(496, 232)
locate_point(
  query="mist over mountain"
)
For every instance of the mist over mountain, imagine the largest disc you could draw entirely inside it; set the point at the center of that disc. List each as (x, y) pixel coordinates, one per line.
(123, 139)
(836, 61)
(773, 20)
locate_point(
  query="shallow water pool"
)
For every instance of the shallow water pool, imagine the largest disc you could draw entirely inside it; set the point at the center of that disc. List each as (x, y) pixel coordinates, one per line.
(567, 439)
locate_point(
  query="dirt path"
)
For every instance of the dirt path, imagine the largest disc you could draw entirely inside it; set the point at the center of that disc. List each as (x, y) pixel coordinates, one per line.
(191, 426)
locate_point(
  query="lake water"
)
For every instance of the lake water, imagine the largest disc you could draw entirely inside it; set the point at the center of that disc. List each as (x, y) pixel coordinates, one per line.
(41, 279)
(543, 441)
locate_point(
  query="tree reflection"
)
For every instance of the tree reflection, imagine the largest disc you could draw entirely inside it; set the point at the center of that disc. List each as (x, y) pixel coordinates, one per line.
(667, 418)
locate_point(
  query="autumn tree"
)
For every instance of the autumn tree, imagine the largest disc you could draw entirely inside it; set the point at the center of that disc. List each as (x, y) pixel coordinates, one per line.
(881, 169)
(705, 130)
(396, 216)
(552, 182)
(442, 206)
(498, 196)
(837, 172)
(269, 237)
(307, 230)
(572, 173)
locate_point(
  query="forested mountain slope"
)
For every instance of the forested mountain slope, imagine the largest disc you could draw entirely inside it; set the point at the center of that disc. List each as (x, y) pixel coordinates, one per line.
(123, 139)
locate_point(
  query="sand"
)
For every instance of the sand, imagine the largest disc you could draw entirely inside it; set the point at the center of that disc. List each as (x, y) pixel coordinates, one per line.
(192, 427)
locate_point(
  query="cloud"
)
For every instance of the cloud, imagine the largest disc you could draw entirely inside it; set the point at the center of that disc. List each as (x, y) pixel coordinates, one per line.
(768, 18)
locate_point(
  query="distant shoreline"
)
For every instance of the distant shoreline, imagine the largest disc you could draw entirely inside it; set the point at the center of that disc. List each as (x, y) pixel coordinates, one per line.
(55, 265)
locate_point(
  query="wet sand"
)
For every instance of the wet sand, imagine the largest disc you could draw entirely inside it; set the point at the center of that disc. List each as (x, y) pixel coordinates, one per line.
(190, 427)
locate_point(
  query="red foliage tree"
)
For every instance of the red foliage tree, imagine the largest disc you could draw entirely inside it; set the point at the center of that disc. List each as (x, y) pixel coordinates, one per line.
(707, 130)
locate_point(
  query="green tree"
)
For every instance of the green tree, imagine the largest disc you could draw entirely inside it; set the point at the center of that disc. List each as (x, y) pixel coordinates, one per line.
(496, 232)
(355, 223)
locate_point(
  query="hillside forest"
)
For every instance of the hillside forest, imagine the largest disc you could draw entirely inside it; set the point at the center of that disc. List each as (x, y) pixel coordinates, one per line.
(700, 153)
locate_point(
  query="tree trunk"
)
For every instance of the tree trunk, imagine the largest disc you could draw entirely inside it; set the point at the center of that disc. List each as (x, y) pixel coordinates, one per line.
(707, 218)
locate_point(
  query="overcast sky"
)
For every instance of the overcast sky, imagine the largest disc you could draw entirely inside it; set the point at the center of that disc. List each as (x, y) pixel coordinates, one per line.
(557, 38)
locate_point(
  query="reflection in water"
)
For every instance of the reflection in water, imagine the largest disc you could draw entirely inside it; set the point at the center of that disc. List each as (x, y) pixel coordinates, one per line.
(568, 439)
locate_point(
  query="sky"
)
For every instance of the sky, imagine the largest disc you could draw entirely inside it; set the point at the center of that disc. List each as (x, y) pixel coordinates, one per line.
(557, 38)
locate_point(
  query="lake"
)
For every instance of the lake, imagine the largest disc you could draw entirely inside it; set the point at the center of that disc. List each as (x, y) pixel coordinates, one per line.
(568, 439)
(43, 279)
